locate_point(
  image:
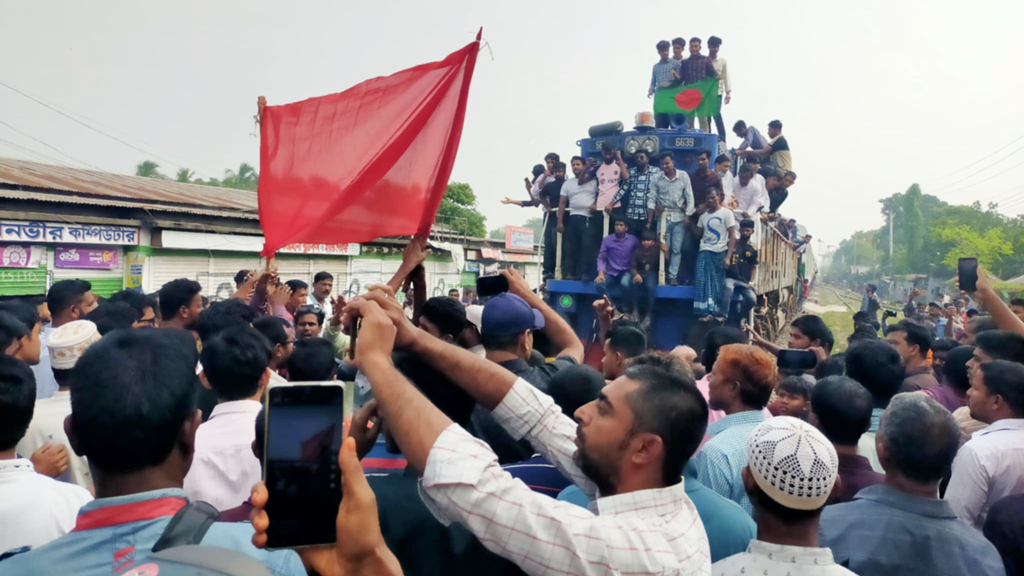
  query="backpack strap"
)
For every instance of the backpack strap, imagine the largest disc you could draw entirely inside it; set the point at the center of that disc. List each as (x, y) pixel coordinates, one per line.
(188, 526)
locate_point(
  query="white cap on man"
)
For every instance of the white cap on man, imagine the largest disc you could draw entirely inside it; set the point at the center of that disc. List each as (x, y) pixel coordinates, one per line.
(792, 462)
(69, 342)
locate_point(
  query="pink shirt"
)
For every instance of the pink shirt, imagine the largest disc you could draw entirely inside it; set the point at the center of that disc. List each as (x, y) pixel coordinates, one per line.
(714, 415)
(608, 176)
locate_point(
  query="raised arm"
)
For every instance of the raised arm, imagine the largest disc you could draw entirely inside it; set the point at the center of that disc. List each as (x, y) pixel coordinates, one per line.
(1001, 314)
(559, 332)
(413, 255)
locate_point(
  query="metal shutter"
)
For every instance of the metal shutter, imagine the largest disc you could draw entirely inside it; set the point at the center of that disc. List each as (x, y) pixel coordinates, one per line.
(164, 268)
(23, 281)
(366, 271)
(220, 280)
(338, 267)
(294, 268)
(442, 276)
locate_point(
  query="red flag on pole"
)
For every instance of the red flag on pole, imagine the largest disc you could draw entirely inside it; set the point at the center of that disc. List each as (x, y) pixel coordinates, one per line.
(371, 161)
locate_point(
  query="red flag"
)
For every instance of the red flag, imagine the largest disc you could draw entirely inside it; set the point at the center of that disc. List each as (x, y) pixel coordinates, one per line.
(371, 161)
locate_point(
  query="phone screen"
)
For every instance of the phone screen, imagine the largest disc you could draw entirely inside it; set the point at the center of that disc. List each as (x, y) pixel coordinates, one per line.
(800, 360)
(487, 286)
(967, 271)
(304, 430)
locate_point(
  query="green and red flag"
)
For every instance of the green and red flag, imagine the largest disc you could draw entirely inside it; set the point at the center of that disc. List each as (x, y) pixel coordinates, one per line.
(699, 99)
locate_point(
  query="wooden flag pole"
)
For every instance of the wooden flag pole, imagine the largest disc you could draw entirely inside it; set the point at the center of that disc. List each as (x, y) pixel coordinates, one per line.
(261, 103)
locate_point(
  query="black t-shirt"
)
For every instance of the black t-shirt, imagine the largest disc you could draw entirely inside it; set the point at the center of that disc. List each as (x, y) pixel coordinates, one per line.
(780, 145)
(744, 258)
(551, 191)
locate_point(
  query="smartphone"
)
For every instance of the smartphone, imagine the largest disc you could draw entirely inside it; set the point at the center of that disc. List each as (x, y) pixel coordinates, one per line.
(304, 429)
(967, 270)
(487, 286)
(797, 360)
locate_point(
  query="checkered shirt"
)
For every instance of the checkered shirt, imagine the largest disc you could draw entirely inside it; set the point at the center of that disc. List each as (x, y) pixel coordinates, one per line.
(662, 73)
(653, 531)
(720, 463)
(639, 187)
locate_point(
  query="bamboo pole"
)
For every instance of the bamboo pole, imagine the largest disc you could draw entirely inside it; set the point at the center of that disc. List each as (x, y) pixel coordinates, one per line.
(261, 104)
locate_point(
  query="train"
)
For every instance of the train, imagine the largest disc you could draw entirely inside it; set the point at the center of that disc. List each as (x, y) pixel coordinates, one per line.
(780, 269)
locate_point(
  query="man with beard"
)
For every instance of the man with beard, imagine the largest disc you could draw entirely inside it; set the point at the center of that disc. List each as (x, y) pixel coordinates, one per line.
(181, 302)
(637, 190)
(628, 447)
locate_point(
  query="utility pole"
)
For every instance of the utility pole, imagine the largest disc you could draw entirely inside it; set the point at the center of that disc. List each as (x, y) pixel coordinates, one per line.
(892, 264)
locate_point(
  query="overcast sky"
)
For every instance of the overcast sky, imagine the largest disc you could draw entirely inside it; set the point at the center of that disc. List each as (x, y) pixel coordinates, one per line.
(874, 95)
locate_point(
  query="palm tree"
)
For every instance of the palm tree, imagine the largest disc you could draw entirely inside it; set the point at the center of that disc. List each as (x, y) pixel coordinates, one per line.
(184, 175)
(149, 169)
(245, 178)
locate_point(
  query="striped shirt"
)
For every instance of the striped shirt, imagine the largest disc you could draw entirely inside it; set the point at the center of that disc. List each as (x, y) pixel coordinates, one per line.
(655, 531)
(721, 461)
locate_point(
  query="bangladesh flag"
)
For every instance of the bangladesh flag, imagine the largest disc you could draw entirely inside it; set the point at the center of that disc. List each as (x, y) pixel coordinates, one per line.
(699, 99)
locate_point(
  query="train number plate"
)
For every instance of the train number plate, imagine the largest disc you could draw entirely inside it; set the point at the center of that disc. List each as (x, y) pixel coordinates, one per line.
(684, 142)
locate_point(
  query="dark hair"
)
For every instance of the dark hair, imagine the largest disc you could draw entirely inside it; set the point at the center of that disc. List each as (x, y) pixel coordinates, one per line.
(748, 167)
(312, 361)
(648, 234)
(551, 156)
(307, 309)
(861, 317)
(663, 45)
(791, 174)
(1001, 345)
(843, 408)
(580, 158)
(704, 152)
(273, 329)
(955, 368)
(175, 294)
(538, 169)
(747, 223)
(17, 400)
(718, 337)
(23, 312)
(110, 316)
(981, 324)
(694, 39)
(971, 314)
(775, 124)
(321, 276)
(240, 277)
(641, 152)
(796, 385)
(297, 285)
(862, 332)
(878, 367)
(607, 146)
(220, 316)
(916, 335)
(943, 344)
(1017, 302)
(574, 386)
(722, 158)
(679, 41)
(739, 125)
(11, 330)
(136, 300)
(835, 365)
(1005, 379)
(670, 406)
(234, 361)
(921, 436)
(628, 341)
(130, 394)
(815, 329)
(663, 155)
(448, 314)
(66, 293)
(714, 41)
(560, 166)
(871, 287)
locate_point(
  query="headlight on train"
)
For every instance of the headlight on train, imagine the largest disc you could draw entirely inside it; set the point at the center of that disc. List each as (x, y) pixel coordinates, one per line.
(650, 145)
(632, 145)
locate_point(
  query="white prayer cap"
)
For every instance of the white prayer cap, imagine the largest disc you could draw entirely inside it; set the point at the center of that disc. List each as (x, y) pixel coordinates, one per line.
(792, 462)
(475, 314)
(68, 342)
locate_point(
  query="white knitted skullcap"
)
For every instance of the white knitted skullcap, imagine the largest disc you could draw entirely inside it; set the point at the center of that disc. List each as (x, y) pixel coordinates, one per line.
(792, 462)
(475, 315)
(67, 343)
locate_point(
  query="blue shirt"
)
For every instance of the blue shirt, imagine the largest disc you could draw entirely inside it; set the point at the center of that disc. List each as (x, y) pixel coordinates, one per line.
(730, 529)
(719, 464)
(105, 541)
(885, 531)
(662, 73)
(940, 327)
(539, 475)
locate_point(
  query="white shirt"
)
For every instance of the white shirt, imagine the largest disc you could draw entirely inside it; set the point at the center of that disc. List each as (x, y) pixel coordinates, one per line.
(35, 509)
(988, 467)
(717, 225)
(48, 426)
(327, 307)
(538, 184)
(766, 559)
(224, 468)
(581, 198)
(46, 383)
(723, 75)
(653, 531)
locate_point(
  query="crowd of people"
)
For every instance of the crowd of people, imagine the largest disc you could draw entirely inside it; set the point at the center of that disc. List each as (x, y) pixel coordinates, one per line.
(903, 454)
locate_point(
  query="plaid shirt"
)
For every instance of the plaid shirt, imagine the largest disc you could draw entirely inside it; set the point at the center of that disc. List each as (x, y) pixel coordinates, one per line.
(639, 187)
(662, 73)
(656, 531)
(721, 461)
(697, 68)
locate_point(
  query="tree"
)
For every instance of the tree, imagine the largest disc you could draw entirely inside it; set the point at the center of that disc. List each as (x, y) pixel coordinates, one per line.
(967, 242)
(149, 169)
(912, 229)
(184, 175)
(460, 202)
(496, 234)
(537, 225)
(245, 178)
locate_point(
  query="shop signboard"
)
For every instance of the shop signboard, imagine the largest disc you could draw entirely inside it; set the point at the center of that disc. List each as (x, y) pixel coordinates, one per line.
(54, 233)
(90, 258)
(21, 255)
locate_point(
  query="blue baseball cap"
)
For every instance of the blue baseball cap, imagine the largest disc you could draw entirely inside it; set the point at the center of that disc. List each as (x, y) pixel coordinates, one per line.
(508, 314)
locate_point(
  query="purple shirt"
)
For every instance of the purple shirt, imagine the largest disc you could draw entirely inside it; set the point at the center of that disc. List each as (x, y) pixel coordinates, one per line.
(856, 474)
(949, 397)
(616, 255)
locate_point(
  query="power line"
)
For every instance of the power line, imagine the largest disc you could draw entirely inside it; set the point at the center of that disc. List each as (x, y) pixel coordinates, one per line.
(976, 172)
(55, 149)
(958, 170)
(53, 107)
(1021, 163)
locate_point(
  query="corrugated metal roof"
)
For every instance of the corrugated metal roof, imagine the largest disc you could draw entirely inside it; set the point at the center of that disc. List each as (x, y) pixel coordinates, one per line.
(103, 188)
